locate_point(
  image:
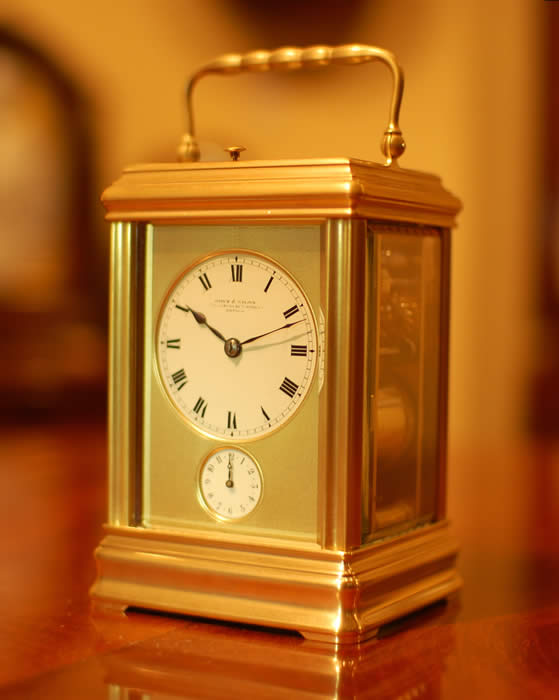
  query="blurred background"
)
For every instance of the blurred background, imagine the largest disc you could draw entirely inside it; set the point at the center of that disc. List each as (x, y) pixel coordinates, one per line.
(88, 88)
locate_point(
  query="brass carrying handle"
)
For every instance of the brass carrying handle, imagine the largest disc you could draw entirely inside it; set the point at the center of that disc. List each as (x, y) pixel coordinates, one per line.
(291, 58)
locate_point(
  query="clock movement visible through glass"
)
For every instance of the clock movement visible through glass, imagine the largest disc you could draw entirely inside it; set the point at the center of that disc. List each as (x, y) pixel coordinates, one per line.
(236, 345)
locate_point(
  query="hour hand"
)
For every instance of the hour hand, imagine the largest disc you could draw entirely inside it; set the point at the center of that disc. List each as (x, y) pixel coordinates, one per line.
(200, 318)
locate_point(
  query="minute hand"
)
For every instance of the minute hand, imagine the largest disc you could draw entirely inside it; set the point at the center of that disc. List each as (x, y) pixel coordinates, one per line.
(256, 337)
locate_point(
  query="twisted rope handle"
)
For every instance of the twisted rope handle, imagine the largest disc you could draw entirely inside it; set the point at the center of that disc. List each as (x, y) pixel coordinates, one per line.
(291, 58)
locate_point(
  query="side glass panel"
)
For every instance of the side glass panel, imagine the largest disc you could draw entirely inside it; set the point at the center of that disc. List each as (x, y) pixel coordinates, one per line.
(404, 347)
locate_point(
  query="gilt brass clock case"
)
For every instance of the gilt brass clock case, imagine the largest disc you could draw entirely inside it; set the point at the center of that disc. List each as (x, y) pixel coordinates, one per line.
(350, 530)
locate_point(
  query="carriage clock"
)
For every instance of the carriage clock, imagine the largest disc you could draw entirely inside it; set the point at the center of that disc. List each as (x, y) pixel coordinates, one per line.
(278, 383)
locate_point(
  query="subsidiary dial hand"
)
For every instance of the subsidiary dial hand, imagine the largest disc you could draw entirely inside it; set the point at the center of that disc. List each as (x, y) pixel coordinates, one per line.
(257, 337)
(201, 319)
(229, 483)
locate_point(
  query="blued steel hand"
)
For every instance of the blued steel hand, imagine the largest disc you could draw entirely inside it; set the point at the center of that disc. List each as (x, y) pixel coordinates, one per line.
(201, 319)
(256, 337)
(232, 346)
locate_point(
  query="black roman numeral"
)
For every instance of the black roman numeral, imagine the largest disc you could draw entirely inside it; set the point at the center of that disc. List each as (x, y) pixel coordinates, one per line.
(179, 377)
(266, 416)
(288, 387)
(299, 350)
(269, 283)
(291, 311)
(205, 281)
(231, 420)
(200, 407)
(237, 273)
(175, 344)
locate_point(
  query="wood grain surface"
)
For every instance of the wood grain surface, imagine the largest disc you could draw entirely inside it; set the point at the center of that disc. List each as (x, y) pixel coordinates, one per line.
(498, 639)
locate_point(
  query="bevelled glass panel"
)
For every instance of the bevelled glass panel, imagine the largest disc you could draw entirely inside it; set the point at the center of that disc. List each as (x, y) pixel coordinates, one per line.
(404, 338)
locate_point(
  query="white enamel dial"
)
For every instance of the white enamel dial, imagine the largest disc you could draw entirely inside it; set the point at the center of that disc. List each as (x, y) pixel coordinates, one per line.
(236, 345)
(230, 483)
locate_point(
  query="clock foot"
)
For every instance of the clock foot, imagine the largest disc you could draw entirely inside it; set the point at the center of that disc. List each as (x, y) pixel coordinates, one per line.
(332, 638)
(107, 608)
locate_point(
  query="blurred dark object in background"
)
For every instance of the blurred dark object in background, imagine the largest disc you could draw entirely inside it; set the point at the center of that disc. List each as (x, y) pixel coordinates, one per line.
(545, 399)
(52, 282)
(291, 22)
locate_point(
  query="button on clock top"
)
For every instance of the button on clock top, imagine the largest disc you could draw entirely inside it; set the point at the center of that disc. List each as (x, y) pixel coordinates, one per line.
(235, 152)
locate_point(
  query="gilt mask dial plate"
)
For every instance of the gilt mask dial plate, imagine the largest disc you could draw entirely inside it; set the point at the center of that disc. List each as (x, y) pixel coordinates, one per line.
(236, 345)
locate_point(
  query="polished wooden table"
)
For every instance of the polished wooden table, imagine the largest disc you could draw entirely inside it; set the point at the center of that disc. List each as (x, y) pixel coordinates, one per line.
(499, 638)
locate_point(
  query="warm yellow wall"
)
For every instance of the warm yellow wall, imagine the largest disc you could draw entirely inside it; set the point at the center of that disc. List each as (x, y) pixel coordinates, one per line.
(471, 103)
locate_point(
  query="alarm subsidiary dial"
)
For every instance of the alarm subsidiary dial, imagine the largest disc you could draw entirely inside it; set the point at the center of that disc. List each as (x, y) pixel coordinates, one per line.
(230, 483)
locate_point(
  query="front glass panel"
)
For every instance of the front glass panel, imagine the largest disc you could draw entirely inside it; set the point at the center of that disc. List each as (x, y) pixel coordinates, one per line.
(404, 300)
(217, 416)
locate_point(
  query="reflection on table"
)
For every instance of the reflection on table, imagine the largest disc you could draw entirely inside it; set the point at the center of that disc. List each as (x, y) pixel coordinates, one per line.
(496, 639)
